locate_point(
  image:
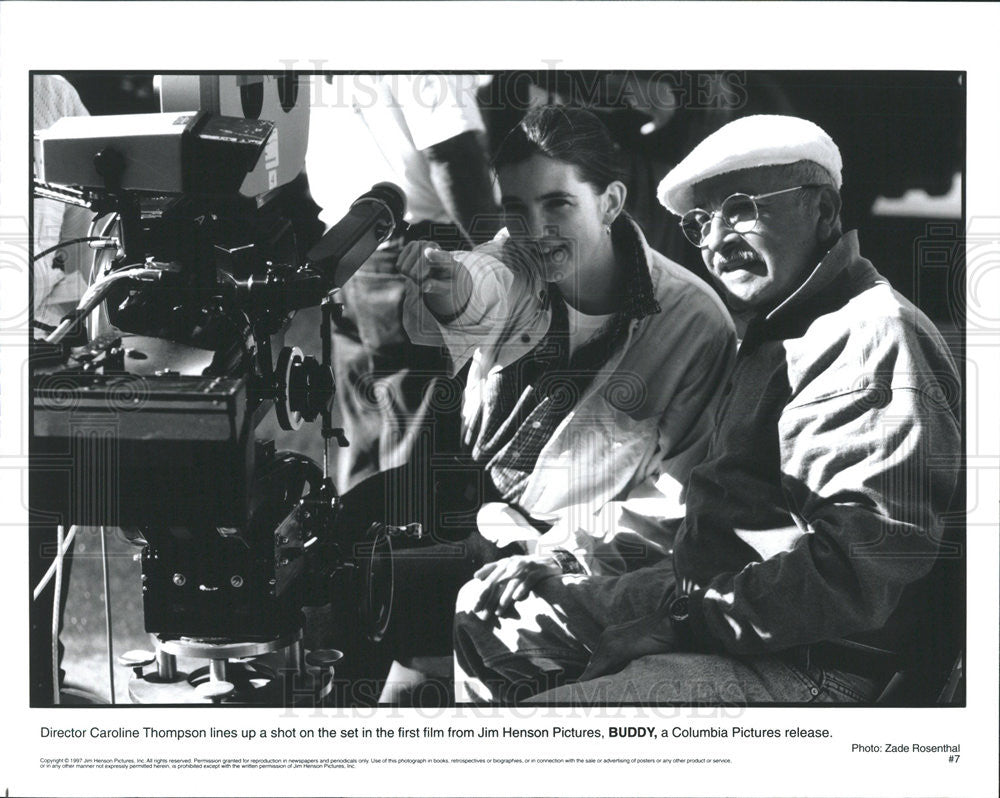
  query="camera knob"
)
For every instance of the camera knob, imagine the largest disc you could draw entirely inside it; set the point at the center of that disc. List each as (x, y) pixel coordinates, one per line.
(285, 407)
(214, 690)
(323, 657)
(304, 388)
(137, 659)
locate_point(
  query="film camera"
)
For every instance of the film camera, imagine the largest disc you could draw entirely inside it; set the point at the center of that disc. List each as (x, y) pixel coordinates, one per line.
(146, 398)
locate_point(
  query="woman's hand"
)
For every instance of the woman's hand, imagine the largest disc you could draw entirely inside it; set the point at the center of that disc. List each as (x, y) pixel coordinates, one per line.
(509, 580)
(445, 283)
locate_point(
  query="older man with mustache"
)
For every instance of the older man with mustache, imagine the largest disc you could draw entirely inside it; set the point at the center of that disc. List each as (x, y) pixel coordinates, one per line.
(812, 562)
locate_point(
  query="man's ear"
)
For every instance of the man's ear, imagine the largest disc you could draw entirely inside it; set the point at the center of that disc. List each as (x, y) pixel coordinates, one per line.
(613, 200)
(828, 207)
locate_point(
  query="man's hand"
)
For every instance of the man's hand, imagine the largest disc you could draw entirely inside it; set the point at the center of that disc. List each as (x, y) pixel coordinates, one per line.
(619, 645)
(445, 283)
(509, 580)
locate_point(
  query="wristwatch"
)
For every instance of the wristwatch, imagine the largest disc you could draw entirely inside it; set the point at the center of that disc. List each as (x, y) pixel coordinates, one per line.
(567, 562)
(677, 610)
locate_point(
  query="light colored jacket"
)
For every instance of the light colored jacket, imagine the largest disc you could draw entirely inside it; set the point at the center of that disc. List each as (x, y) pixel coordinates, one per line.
(643, 423)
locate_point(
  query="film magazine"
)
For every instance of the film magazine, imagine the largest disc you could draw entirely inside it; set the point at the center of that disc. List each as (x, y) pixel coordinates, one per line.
(218, 592)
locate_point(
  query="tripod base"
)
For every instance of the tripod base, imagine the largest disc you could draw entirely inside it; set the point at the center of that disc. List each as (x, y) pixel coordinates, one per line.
(257, 673)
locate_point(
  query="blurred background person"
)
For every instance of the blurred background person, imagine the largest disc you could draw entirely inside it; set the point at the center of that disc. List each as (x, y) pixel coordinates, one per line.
(59, 278)
(425, 134)
(58, 282)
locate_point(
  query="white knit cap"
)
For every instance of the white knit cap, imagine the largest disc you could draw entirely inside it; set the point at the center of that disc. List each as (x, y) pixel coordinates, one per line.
(764, 140)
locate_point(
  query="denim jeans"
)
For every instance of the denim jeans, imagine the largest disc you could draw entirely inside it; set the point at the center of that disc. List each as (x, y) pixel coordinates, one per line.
(691, 678)
(537, 651)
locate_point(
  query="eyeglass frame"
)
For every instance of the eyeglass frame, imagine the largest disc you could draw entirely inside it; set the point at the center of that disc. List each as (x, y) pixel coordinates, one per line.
(753, 201)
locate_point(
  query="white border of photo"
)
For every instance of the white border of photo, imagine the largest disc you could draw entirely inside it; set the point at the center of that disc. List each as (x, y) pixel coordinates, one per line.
(475, 36)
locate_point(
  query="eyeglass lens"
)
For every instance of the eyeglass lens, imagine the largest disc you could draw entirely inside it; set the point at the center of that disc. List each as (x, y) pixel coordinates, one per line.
(738, 211)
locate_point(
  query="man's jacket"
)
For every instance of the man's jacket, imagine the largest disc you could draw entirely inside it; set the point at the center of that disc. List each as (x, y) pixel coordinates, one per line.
(820, 509)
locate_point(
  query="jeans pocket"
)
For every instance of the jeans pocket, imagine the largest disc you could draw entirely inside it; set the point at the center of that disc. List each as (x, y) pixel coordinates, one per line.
(831, 686)
(793, 684)
(839, 687)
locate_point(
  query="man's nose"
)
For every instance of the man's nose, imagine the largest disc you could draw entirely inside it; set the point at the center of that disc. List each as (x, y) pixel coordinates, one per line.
(716, 231)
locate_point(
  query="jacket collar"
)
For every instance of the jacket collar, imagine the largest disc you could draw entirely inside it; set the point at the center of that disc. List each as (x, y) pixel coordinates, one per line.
(630, 244)
(842, 260)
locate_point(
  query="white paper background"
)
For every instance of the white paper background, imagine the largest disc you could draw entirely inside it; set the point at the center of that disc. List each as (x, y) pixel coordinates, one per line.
(399, 36)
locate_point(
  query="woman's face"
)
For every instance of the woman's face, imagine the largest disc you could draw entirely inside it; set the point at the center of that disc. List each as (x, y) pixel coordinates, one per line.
(561, 217)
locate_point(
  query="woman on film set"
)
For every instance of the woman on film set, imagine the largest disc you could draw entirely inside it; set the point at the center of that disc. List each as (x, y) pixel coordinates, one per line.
(590, 366)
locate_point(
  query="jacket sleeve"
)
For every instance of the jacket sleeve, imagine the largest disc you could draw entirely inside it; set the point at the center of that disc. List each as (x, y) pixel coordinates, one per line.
(502, 300)
(639, 528)
(869, 465)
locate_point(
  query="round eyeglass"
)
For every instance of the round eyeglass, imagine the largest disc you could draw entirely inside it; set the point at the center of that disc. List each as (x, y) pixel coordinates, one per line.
(739, 212)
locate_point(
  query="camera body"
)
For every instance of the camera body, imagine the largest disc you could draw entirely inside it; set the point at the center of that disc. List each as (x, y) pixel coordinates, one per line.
(146, 399)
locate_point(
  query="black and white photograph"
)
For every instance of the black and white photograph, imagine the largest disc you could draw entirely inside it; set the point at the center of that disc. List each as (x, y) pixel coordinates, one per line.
(557, 419)
(599, 355)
